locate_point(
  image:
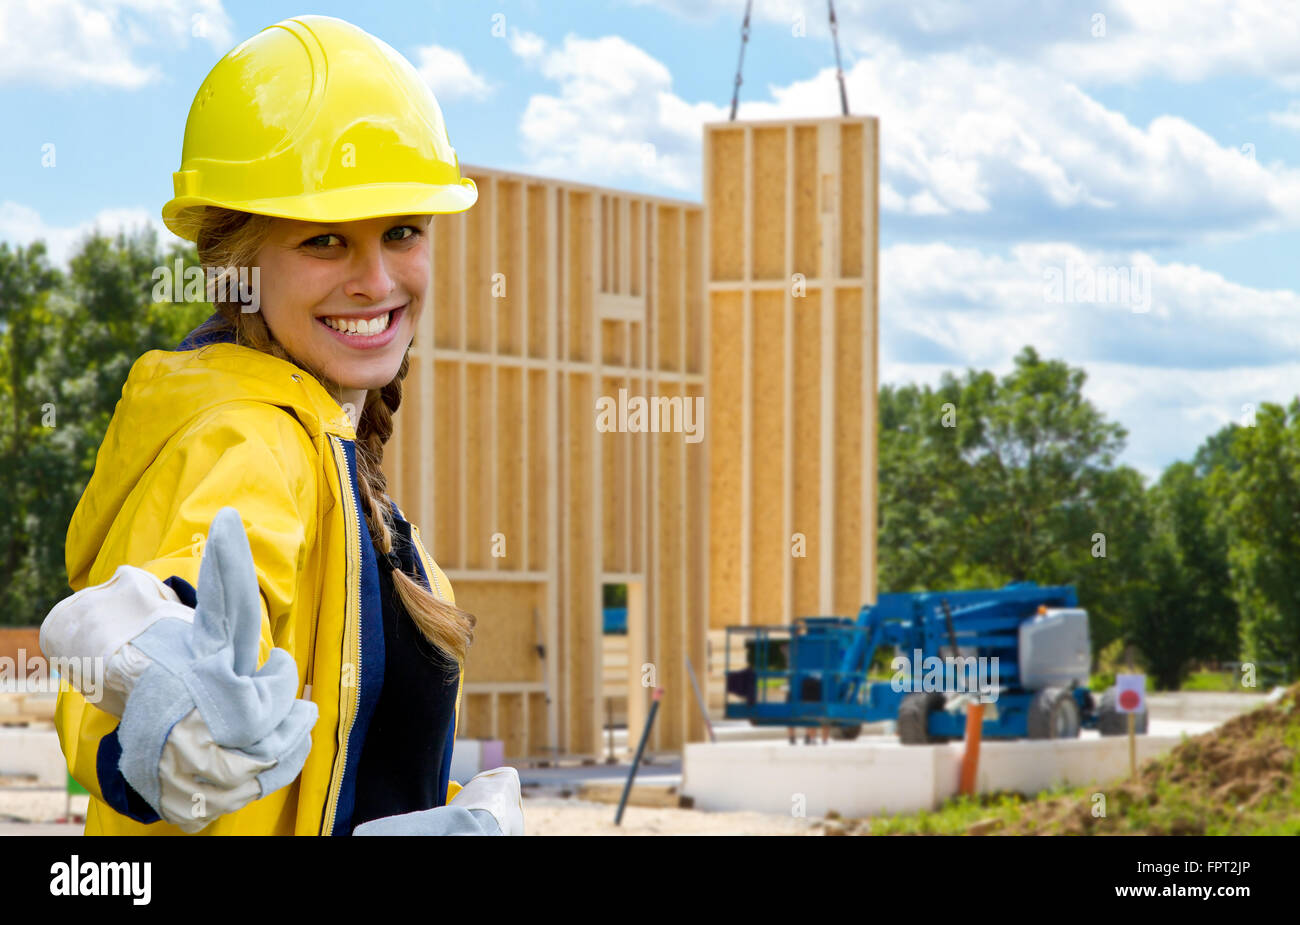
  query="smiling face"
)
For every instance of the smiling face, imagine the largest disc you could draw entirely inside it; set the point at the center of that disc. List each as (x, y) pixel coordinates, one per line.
(343, 298)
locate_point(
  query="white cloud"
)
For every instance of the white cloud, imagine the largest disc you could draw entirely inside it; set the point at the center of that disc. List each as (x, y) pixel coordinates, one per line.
(527, 45)
(614, 116)
(1287, 118)
(972, 147)
(1168, 413)
(1186, 41)
(1005, 150)
(449, 74)
(1181, 40)
(117, 43)
(1204, 348)
(20, 224)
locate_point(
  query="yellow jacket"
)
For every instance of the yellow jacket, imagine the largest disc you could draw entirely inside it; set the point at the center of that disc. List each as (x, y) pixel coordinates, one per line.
(194, 431)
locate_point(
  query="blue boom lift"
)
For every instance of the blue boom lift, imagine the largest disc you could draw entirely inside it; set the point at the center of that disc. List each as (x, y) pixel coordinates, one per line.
(1023, 650)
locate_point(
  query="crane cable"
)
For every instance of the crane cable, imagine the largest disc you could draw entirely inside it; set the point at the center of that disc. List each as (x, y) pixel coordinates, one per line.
(744, 39)
(839, 69)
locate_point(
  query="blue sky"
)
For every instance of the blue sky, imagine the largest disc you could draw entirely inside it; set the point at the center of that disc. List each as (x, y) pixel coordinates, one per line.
(1020, 139)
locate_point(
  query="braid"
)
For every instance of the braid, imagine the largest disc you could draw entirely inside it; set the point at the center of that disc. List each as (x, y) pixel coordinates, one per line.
(232, 239)
(445, 625)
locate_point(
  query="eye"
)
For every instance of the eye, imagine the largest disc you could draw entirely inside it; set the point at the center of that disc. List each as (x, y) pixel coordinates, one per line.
(414, 232)
(321, 240)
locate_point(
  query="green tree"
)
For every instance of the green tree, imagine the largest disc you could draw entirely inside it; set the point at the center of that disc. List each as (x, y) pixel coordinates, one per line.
(1117, 525)
(1259, 503)
(1036, 449)
(27, 285)
(986, 480)
(68, 342)
(1183, 611)
(919, 478)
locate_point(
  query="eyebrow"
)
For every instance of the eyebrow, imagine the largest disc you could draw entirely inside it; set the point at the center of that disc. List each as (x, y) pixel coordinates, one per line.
(393, 218)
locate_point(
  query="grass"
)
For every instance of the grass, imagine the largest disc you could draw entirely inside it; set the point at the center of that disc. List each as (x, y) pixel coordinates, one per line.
(953, 818)
(1211, 681)
(1167, 808)
(1241, 779)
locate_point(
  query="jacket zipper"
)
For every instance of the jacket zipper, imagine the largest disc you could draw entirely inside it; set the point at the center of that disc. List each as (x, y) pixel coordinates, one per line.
(428, 565)
(352, 630)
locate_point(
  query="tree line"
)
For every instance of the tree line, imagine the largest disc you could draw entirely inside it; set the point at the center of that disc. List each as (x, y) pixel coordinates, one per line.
(985, 480)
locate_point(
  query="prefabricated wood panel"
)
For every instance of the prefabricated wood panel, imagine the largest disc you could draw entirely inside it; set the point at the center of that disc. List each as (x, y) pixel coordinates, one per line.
(725, 448)
(539, 439)
(691, 275)
(545, 297)
(791, 232)
(768, 203)
(725, 203)
(848, 539)
(669, 301)
(476, 318)
(770, 549)
(580, 626)
(504, 647)
(804, 459)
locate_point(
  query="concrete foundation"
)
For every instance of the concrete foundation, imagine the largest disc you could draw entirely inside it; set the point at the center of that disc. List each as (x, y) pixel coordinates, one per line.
(870, 778)
(33, 752)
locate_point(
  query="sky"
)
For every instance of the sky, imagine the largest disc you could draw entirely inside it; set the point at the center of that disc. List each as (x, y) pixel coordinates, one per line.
(1114, 183)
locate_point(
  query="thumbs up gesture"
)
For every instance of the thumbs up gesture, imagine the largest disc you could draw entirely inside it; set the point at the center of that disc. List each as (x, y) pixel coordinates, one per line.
(205, 731)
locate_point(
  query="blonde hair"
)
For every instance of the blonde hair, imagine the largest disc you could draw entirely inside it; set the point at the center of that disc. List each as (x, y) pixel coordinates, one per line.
(228, 240)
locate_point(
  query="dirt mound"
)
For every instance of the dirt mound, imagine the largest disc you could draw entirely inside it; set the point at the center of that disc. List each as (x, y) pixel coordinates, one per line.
(1242, 776)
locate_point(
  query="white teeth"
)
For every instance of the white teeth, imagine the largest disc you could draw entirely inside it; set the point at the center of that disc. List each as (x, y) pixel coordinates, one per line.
(364, 328)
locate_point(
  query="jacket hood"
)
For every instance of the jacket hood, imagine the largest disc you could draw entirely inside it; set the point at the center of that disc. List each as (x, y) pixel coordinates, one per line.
(164, 392)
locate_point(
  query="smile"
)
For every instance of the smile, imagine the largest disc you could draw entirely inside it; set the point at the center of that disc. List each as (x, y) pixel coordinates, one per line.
(374, 331)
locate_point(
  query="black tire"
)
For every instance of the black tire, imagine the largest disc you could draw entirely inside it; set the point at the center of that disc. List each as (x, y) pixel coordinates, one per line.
(1111, 722)
(914, 718)
(847, 732)
(1054, 714)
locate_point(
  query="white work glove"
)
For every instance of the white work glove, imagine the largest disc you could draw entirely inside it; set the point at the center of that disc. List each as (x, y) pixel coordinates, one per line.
(197, 682)
(496, 791)
(94, 624)
(198, 775)
(93, 627)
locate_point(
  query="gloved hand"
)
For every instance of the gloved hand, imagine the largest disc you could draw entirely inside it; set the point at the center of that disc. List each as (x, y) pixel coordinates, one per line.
(490, 804)
(204, 732)
(441, 820)
(88, 634)
(496, 791)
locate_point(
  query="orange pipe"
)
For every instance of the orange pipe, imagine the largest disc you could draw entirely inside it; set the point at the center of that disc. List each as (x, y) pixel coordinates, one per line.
(970, 760)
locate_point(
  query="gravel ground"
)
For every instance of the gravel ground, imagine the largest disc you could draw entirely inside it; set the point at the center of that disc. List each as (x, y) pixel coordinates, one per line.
(555, 816)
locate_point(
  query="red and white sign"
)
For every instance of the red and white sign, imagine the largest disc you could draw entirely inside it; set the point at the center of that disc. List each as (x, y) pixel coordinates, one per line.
(1130, 693)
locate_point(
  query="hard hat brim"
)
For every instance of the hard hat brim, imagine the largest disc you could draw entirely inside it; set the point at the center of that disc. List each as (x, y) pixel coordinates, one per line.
(350, 204)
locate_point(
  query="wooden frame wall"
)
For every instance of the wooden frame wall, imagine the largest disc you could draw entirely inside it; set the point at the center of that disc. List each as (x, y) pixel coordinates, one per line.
(545, 296)
(792, 372)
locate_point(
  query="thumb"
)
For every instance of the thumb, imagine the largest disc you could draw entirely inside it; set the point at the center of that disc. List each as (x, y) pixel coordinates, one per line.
(228, 610)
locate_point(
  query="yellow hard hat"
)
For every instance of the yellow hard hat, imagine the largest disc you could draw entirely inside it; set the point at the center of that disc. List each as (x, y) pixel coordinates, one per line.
(317, 120)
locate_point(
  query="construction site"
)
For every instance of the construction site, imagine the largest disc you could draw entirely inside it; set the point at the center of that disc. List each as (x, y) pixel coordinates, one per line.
(663, 506)
(735, 523)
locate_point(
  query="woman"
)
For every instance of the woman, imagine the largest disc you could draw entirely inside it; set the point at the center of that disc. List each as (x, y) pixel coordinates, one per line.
(238, 516)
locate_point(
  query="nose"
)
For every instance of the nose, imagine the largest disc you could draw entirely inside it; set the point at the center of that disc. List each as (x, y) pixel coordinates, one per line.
(369, 279)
